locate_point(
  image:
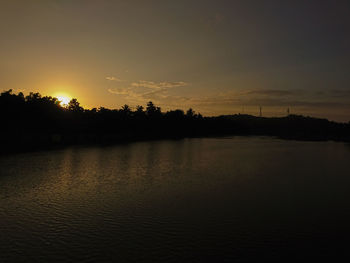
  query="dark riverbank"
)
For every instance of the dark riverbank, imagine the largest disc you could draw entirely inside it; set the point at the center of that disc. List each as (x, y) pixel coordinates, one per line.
(35, 122)
(291, 128)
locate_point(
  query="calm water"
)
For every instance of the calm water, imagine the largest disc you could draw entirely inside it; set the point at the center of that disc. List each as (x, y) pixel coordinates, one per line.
(217, 199)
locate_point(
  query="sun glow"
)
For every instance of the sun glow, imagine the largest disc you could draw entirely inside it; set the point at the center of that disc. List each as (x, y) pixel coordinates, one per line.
(63, 99)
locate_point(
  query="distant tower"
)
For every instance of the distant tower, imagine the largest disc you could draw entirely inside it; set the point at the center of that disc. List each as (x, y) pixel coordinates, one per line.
(260, 111)
(288, 112)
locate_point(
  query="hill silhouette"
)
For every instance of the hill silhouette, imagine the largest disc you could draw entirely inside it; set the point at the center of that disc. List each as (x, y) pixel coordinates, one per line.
(36, 121)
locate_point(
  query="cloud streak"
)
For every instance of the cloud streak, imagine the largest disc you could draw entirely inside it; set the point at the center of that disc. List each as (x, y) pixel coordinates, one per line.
(141, 91)
(119, 91)
(272, 92)
(111, 78)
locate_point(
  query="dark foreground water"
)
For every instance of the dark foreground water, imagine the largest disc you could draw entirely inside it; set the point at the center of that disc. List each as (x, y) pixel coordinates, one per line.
(227, 199)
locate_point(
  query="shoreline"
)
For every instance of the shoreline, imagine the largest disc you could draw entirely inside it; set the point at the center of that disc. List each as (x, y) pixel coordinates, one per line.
(88, 140)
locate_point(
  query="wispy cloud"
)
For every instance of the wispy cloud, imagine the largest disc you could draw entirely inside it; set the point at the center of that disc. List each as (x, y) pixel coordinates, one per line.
(143, 90)
(158, 85)
(111, 78)
(273, 92)
(119, 91)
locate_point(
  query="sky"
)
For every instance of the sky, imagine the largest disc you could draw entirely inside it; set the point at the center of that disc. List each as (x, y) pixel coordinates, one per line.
(217, 57)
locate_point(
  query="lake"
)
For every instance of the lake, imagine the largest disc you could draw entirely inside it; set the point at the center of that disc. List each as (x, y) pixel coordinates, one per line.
(228, 199)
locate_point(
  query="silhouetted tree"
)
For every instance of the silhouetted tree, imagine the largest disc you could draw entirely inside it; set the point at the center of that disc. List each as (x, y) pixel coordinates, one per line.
(199, 116)
(21, 96)
(139, 113)
(126, 110)
(74, 106)
(7, 98)
(175, 114)
(190, 113)
(6, 93)
(139, 109)
(33, 97)
(152, 110)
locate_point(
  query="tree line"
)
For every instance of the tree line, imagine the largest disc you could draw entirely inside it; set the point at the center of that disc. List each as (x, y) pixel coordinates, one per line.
(35, 121)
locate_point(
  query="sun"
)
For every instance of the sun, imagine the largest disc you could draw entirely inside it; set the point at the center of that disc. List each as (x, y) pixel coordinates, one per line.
(63, 99)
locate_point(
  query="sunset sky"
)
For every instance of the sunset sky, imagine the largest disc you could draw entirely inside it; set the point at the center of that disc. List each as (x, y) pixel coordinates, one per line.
(218, 57)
